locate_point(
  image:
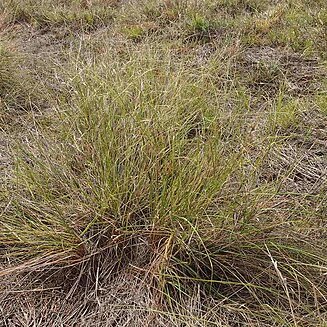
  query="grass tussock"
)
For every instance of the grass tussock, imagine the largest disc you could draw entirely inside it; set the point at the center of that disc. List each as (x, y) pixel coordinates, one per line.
(176, 178)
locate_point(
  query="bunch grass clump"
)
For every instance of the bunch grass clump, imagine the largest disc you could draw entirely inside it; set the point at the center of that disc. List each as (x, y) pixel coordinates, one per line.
(141, 163)
(167, 163)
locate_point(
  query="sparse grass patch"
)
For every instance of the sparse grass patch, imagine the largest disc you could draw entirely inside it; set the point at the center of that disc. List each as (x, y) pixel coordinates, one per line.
(270, 70)
(77, 15)
(241, 7)
(290, 24)
(17, 87)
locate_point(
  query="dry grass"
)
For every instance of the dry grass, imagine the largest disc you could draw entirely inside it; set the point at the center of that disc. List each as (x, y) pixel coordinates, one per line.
(164, 163)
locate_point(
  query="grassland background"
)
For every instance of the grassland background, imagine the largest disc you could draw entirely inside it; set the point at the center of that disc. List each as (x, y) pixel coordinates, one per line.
(163, 163)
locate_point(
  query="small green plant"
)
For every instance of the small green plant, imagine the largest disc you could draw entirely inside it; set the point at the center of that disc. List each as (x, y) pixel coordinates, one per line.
(286, 112)
(321, 101)
(134, 32)
(199, 24)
